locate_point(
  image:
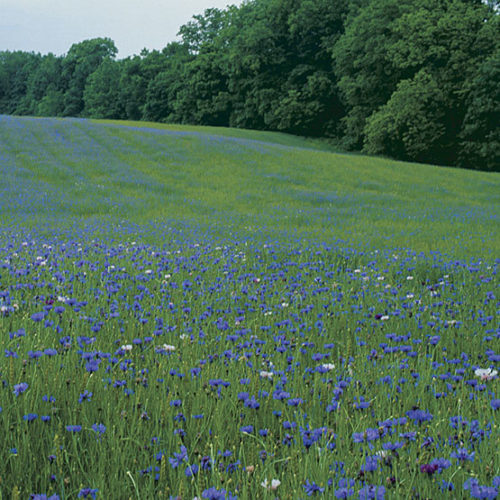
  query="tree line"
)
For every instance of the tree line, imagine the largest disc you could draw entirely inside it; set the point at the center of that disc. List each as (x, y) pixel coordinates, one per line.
(416, 80)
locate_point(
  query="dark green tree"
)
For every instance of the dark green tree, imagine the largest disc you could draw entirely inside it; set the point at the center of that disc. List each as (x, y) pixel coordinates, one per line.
(102, 91)
(81, 61)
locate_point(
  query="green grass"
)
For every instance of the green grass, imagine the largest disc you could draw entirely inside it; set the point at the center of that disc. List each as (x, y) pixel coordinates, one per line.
(251, 253)
(255, 182)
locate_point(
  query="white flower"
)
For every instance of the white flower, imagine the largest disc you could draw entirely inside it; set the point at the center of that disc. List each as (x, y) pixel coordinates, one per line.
(126, 347)
(485, 373)
(265, 374)
(328, 366)
(273, 486)
(165, 348)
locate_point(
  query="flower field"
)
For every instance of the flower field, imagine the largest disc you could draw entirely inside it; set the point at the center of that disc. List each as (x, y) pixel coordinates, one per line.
(192, 315)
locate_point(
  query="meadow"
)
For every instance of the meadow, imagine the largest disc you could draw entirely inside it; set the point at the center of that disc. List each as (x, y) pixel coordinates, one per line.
(193, 312)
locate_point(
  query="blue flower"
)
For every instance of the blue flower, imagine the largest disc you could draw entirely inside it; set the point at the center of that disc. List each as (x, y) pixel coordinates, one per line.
(20, 388)
(87, 492)
(371, 492)
(312, 488)
(178, 458)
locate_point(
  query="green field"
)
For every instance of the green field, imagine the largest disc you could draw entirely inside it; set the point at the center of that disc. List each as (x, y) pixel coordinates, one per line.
(254, 183)
(191, 312)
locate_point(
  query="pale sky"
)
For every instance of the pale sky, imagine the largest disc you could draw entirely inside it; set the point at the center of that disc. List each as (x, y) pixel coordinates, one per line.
(54, 25)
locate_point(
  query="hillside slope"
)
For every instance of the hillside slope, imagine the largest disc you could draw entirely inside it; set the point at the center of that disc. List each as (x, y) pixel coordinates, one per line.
(55, 171)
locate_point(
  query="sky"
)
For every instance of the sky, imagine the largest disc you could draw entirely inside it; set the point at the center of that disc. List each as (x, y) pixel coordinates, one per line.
(54, 25)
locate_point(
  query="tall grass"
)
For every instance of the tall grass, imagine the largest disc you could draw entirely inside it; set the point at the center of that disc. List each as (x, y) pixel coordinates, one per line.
(188, 313)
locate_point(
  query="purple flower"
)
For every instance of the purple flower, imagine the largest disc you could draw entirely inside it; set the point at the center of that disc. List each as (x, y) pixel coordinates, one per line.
(73, 428)
(495, 404)
(429, 468)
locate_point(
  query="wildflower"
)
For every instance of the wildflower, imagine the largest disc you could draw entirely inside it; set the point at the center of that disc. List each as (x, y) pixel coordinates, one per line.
(485, 373)
(87, 492)
(178, 457)
(85, 396)
(272, 486)
(312, 488)
(371, 492)
(429, 469)
(419, 416)
(20, 388)
(215, 494)
(99, 428)
(191, 470)
(73, 428)
(462, 454)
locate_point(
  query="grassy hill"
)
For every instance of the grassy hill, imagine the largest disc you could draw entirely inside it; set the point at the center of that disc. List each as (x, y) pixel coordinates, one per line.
(252, 183)
(204, 313)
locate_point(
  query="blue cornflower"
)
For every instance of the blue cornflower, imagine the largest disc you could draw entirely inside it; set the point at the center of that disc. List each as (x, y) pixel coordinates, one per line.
(371, 464)
(371, 492)
(295, 401)
(20, 388)
(191, 470)
(38, 316)
(247, 428)
(214, 494)
(30, 417)
(446, 485)
(178, 457)
(495, 404)
(92, 365)
(462, 454)
(419, 416)
(43, 496)
(87, 492)
(73, 428)
(252, 403)
(99, 428)
(486, 492)
(312, 488)
(85, 396)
